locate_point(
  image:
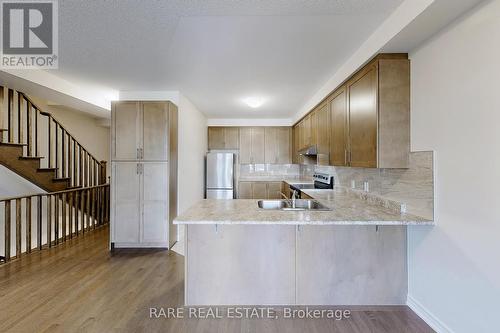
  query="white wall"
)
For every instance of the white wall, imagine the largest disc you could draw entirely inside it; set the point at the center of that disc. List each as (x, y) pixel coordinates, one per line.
(13, 185)
(192, 148)
(454, 267)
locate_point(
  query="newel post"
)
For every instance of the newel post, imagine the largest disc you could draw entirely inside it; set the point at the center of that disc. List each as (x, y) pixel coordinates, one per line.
(103, 173)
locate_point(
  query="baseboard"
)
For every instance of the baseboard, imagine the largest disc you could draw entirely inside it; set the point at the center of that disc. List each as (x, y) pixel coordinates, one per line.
(431, 320)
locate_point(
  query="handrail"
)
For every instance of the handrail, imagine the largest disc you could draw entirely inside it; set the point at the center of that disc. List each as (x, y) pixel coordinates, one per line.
(69, 159)
(52, 193)
(48, 114)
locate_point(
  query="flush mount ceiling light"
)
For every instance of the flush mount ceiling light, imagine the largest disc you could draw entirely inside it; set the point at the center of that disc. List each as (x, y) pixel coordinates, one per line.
(254, 102)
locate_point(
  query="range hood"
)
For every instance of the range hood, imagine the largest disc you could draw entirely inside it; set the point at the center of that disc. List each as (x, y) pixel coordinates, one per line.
(309, 151)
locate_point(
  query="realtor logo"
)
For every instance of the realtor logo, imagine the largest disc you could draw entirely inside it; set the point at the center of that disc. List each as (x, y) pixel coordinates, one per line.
(29, 34)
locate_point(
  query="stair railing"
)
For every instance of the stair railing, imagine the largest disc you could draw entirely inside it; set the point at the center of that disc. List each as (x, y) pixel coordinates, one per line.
(22, 122)
(40, 221)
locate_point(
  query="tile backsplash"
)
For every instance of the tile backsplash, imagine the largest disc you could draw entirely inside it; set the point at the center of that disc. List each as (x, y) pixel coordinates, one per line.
(413, 186)
(265, 170)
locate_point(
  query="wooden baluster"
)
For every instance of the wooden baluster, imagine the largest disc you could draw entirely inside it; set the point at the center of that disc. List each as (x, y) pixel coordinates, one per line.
(39, 222)
(70, 214)
(56, 219)
(19, 118)
(36, 132)
(18, 228)
(92, 191)
(75, 174)
(28, 225)
(96, 169)
(7, 230)
(80, 162)
(70, 162)
(2, 110)
(49, 221)
(82, 210)
(28, 128)
(77, 206)
(88, 211)
(63, 152)
(99, 205)
(87, 171)
(56, 149)
(10, 115)
(63, 216)
(49, 142)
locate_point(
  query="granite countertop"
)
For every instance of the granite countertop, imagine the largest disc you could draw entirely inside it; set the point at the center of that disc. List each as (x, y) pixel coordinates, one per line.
(348, 209)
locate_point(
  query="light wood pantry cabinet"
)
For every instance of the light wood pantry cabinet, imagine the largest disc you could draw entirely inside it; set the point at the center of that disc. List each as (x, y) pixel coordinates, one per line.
(223, 138)
(252, 145)
(144, 174)
(259, 190)
(278, 145)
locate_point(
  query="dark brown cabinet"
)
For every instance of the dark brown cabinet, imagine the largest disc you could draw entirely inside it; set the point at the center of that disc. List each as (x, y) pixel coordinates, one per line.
(363, 119)
(366, 121)
(339, 128)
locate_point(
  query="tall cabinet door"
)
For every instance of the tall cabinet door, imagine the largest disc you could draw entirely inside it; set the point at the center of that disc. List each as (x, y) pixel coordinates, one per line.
(363, 119)
(231, 138)
(216, 138)
(154, 203)
(338, 132)
(155, 129)
(271, 145)
(284, 144)
(127, 130)
(322, 135)
(126, 198)
(245, 145)
(258, 145)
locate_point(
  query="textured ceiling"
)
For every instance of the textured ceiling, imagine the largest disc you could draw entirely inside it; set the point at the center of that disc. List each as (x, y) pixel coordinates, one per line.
(215, 52)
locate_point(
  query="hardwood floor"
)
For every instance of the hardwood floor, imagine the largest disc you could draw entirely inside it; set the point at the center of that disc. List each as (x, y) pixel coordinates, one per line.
(80, 287)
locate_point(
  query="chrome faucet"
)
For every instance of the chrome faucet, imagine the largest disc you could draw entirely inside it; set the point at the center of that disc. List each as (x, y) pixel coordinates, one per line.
(294, 197)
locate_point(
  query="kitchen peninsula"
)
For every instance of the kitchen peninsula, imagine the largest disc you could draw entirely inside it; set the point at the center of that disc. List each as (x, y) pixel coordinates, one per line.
(240, 254)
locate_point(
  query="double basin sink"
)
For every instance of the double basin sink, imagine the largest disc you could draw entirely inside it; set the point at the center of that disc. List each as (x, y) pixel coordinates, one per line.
(298, 204)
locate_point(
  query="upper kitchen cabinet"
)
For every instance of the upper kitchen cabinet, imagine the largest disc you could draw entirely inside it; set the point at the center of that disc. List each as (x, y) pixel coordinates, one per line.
(223, 138)
(278, 145)
(252, 145)
(320, 128)
(339, 134)
(139, 131)
(306, 131)
(379, 114)
(127, 131)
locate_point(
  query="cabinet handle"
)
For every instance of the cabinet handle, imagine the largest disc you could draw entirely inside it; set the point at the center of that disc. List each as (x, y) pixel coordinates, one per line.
(345, 156)
(142, 153)
(138, 169)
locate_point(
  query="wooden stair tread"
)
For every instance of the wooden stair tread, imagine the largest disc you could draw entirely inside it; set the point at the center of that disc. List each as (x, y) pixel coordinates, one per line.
(46, 169)
(61, 179)
(31, 157)
(13, 144)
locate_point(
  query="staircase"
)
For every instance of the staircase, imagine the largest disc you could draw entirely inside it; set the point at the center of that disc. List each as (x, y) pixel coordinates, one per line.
(39, 148)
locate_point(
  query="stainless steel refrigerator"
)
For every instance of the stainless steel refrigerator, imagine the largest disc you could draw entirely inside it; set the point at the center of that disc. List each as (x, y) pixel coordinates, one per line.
(220, 176)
